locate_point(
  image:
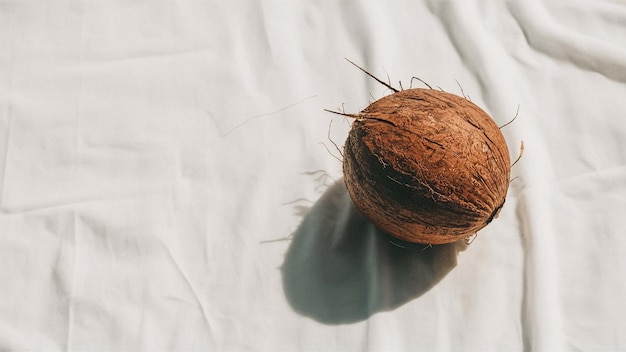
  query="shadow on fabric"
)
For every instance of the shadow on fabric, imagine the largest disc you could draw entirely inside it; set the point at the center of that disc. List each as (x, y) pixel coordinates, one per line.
(341, 269)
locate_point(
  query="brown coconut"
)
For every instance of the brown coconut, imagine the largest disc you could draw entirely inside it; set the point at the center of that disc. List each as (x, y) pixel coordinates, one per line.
(426, 166)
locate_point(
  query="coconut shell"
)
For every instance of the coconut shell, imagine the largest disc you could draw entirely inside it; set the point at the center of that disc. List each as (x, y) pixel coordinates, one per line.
(426, 166)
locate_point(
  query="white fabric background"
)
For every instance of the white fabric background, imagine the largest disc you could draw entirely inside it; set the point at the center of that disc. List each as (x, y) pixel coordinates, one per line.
(150, 151)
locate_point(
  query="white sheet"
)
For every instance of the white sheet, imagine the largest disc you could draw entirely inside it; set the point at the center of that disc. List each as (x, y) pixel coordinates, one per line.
(155, 157)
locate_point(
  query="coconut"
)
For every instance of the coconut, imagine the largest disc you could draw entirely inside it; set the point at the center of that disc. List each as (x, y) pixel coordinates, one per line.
(426, 166)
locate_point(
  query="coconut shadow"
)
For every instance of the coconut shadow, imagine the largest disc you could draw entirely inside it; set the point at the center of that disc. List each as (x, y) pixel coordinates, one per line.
(341, 269)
